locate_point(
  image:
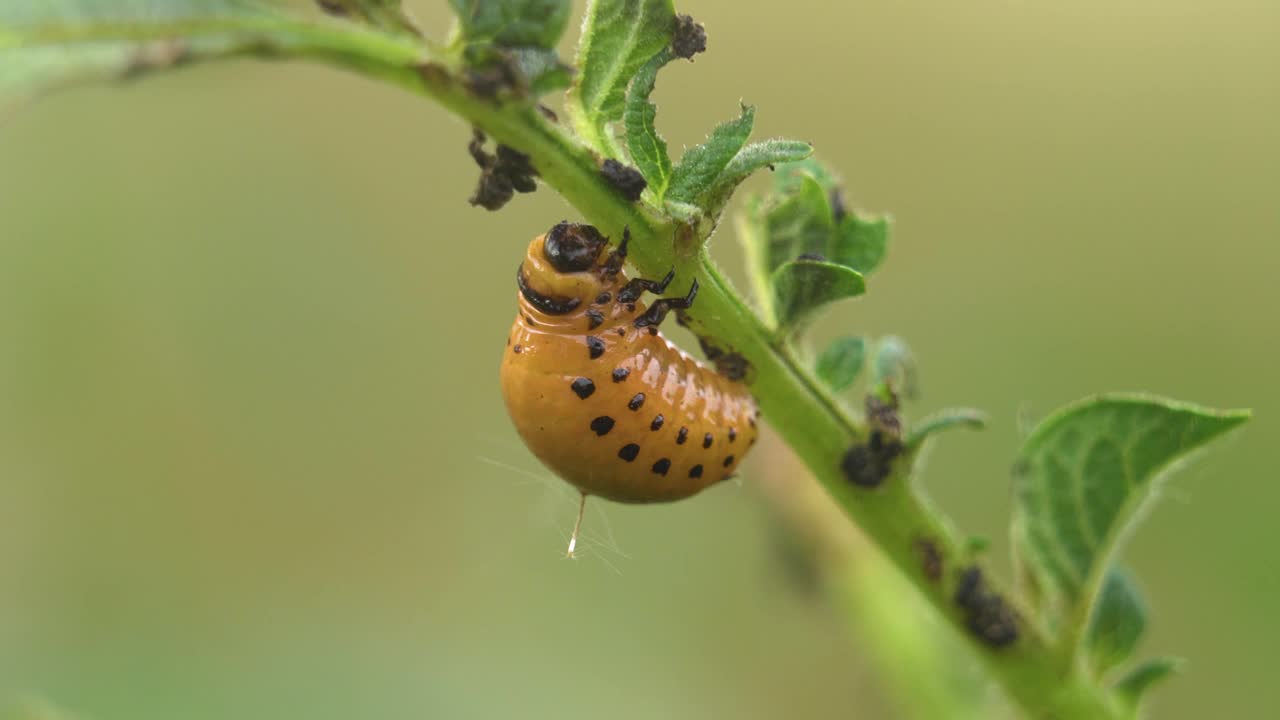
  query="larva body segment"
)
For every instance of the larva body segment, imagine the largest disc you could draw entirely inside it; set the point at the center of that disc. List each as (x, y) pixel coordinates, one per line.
(614, 408)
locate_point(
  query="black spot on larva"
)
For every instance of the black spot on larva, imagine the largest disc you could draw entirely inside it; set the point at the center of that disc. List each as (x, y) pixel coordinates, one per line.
(629, 452)
(595, 346)
(517, 349)
(657, 423)
(603, 298)
(733, 434)
(631, 307)
(682, 435)
(728, 461)
(986, 614)
(688, 38)
(662, 466)
(653, 329)
(695, 471)
(625, 179)
(594, 319)
(930, 558)
(706, 441)
(636, 402)
(622, 332)
(582, 387)
(620, 374)
(602, 425)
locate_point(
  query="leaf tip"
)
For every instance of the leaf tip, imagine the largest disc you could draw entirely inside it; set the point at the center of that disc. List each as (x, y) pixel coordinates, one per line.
(945, 420)
(1134, 686)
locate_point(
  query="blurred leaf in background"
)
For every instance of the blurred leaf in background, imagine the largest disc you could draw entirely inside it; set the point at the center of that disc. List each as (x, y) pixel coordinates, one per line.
(29, 708)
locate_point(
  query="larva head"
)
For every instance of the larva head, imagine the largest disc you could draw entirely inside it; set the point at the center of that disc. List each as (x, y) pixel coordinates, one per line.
(563, 269)
(573, 248)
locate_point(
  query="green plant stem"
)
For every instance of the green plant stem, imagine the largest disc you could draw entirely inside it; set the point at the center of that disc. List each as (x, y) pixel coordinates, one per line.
(870, 595)
(895, 516)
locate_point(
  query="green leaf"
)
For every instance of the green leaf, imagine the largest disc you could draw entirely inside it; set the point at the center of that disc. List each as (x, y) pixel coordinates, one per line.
(541, 69)
(945, 420)
(806, 215)
(46, 45)
(791, 176)
(894, 364)
(702, 164)
(802, 286)
(683, 212)
(797, 223)
(1081, 481)
(618, 37)
(520, 35)
(647, 148)
(513, 23)
(861, 242)
(838, 366)
(753, 157)
(801, 224)
(1119, 619)
(1134, 685)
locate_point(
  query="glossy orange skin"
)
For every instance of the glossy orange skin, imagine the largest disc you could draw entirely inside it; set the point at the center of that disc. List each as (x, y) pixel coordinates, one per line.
(547, 353)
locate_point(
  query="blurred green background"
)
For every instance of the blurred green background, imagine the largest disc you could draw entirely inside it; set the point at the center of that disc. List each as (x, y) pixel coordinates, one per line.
(253, 457)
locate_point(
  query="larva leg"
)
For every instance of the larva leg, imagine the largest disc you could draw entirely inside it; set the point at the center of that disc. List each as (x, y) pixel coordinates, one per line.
(637, 287)
(660, 307)
(613, 265)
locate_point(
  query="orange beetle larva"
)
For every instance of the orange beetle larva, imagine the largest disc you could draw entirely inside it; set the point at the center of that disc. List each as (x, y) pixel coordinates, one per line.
(596, 391)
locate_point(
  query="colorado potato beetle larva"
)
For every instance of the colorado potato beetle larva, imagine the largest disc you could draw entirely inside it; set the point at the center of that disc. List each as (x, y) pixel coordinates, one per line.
(596, 391)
